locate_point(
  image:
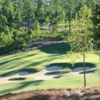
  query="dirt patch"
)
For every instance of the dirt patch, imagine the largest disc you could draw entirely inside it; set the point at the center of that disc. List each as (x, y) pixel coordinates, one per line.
(56, 94)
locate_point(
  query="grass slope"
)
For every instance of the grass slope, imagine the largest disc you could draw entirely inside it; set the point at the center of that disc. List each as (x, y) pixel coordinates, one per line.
(36, 60)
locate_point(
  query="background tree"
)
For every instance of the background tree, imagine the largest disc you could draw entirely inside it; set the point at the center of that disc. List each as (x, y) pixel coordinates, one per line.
(28, 16)
(81, 41)
(96, 22)
(40, 12)
(96, 29)
(57, 14)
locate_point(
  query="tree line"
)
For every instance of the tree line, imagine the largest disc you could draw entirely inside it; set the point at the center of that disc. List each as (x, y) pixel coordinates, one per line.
(23, 22)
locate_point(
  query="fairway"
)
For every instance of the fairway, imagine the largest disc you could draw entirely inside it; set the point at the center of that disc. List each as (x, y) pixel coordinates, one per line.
(36, 60)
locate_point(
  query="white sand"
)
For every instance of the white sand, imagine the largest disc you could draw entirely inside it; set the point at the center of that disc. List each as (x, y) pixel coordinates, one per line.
(37, 76)
(53, 68)
(42, 74)
(79, 69)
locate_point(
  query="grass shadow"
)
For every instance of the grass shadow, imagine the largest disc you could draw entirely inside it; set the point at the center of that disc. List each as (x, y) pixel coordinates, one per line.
(91, 71)
(15, 59)
(31, 67)
(17, 79)
(87, 64)
(59, 48)
(29, 70)
(21, 86)
(70, 66)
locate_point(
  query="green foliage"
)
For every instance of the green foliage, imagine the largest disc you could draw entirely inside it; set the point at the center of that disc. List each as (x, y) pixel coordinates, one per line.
(81, 41)
(96, 29)
(21, 21)
(96, 22)
(36, 25)
(82, 37)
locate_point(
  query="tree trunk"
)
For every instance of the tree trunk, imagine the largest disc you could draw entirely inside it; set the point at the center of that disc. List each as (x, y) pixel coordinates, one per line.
(65, 25)
(28, 40)
(70, 27)
(84, 68)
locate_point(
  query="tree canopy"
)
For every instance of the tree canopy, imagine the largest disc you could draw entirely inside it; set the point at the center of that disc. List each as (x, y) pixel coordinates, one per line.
(23, 22)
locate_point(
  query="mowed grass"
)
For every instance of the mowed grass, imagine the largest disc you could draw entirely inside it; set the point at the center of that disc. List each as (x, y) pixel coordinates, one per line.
(36, 60)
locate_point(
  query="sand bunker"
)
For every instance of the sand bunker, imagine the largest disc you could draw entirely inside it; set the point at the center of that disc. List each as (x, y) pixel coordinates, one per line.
(53, 68)
(79, 69)
(37, 76)
(42, 74)
(24, 73)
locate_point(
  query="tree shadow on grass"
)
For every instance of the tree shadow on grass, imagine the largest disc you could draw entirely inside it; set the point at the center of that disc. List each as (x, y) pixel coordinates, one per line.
(29, 83)
(21, 86)
(29, 70)
(15, 59)
(15, 62)
(59, 48)
(90, 68)
(91, 71)
(87, 64)
(17, 79)
(12, 63)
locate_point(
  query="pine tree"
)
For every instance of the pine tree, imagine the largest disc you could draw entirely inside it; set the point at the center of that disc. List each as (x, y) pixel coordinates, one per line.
(81, 40)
